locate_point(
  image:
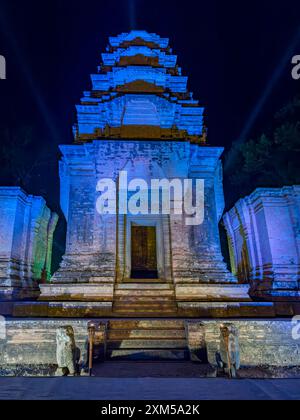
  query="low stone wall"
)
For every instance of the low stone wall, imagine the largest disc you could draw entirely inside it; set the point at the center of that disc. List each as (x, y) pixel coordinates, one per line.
(262, 342)
(32, 343)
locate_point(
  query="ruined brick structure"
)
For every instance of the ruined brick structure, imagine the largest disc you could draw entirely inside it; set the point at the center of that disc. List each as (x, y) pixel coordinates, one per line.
(26, 235)
(264, 242)
(140, 118)
(151, 279)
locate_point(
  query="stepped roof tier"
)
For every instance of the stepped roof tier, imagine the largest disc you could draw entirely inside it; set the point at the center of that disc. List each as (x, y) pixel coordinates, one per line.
(139, 93)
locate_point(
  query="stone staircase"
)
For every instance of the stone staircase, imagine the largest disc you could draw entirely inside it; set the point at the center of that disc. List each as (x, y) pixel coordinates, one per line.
(146, 340)
(144, 298)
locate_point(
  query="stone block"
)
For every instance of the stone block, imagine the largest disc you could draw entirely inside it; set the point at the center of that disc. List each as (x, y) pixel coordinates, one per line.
(77, 292)
(195, 334)
(210, 292)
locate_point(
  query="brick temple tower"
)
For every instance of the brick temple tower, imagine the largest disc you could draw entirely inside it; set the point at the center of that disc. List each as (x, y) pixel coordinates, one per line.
(154, 283)
(139, 117)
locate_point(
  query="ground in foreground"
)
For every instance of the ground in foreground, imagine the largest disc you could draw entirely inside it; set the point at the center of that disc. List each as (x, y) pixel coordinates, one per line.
(140, 381)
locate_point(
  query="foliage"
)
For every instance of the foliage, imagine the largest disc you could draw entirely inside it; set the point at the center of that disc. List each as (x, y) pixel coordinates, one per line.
(20, 158)
(271, 160)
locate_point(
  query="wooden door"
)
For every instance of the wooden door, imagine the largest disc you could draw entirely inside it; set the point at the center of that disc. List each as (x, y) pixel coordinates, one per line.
(143, 252)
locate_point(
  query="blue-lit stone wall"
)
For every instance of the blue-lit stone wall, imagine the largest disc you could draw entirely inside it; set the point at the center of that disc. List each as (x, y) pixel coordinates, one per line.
(108, 104)
(128, 93)
(26, 234)
(97, 248)
(263, 343)
(264, 241)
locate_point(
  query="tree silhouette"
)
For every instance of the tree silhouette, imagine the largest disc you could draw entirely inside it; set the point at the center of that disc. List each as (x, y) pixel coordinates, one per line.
(20, 158)
(271, 160)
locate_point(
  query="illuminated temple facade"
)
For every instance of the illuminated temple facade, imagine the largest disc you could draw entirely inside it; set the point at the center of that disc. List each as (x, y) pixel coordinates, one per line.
(139, 117)
(155, 285)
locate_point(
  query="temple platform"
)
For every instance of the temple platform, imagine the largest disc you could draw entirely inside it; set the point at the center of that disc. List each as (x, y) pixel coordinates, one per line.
(30, 344)
(149, 299)
(210, 309)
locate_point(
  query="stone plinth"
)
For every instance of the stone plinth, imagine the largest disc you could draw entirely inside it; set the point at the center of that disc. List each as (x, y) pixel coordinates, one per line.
(212, 292)
(264, 241)
(26, 234)
(77, 292)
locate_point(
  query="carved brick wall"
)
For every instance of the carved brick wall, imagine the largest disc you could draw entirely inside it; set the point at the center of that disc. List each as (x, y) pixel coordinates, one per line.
(264, 240)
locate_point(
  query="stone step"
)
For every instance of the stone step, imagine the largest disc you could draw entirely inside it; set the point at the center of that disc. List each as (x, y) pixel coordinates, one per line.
(145, 313)
(147, 344)
(141, 308)
(150, 324)
(147, 306)
(149, 293)
(145, 281)
(148, 354)
(145, 334)
(144, 299)
(142, 303)
(147, 286)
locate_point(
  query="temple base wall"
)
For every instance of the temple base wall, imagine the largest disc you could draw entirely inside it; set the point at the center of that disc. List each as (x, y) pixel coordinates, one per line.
(29, 346)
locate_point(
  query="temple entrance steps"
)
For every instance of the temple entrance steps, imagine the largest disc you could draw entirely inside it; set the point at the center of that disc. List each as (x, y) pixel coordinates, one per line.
(150, 339)
(144, 299)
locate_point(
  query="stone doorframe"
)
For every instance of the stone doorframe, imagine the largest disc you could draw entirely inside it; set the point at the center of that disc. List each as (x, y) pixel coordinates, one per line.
(163, 244)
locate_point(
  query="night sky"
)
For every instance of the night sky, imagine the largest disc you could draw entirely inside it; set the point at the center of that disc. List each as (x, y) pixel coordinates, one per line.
(230, 51)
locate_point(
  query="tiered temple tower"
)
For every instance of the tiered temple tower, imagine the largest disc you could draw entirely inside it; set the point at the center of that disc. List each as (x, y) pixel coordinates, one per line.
(140, 118)
(127, 269)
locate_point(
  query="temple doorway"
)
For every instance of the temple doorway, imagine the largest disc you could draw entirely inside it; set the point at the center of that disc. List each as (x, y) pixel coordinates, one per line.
(143, 252)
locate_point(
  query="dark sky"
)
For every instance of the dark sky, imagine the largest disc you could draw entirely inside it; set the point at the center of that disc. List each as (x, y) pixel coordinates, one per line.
(229, 50)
